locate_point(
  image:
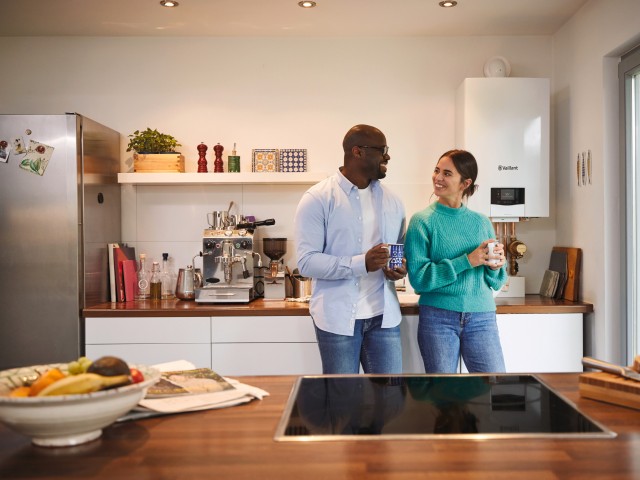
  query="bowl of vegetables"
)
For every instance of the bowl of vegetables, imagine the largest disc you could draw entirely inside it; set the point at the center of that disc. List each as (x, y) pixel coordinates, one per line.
(59, 405)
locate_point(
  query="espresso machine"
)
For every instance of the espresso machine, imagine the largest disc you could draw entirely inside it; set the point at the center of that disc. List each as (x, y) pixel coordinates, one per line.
(274, 278)
(232, 271)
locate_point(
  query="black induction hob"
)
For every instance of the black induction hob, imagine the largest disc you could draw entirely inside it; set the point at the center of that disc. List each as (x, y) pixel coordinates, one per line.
(372, 407)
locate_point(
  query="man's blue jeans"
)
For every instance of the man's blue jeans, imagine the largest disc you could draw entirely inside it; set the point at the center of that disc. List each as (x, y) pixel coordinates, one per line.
(444, 335)
(378, 349)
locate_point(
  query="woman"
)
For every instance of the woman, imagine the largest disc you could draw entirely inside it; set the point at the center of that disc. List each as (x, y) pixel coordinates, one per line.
(450, 266)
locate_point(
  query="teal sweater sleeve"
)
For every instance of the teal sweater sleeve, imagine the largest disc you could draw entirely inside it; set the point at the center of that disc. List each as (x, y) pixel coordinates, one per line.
(437, 243)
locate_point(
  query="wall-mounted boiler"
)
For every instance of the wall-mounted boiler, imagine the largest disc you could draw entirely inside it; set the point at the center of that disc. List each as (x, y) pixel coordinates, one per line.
(504, 123)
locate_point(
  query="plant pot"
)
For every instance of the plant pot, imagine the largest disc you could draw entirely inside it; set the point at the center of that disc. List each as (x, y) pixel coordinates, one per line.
(158, 163)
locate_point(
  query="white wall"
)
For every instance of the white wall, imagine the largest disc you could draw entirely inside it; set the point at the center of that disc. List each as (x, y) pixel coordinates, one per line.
(265, 93)
(585, 101)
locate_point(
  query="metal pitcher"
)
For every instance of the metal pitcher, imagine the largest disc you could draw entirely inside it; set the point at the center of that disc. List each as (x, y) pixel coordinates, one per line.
(218, 220)
(297, 286)
(185, 287)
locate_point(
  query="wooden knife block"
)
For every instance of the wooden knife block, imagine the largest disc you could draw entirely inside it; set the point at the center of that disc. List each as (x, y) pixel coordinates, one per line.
(610, 388)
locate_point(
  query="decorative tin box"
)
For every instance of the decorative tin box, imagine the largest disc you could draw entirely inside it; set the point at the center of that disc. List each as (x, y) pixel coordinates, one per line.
(265, 160)
(293, 160)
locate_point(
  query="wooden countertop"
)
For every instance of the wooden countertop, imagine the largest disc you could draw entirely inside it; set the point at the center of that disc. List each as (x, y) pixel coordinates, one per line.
(179, 308)
(238, 442)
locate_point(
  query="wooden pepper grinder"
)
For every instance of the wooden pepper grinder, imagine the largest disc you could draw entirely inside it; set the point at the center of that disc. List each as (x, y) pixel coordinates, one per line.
(217, 164)
(202, 161)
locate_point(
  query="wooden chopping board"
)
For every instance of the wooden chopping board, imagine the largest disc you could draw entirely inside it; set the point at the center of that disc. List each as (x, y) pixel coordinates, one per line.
(574, 259)
(610, 388)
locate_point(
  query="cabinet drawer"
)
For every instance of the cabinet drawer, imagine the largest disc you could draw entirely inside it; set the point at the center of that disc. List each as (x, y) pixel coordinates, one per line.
(150, 354)
(148, 330)
(266, 359)
(262, 329)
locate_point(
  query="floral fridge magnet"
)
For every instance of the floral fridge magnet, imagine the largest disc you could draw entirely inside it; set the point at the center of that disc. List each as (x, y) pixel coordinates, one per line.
(37, 157)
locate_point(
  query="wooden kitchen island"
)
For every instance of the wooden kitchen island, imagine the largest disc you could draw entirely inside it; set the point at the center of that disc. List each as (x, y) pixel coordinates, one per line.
(238, 442)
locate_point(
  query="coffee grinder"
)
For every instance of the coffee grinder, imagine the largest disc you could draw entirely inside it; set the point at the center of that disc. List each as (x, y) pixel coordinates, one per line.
(274, 248)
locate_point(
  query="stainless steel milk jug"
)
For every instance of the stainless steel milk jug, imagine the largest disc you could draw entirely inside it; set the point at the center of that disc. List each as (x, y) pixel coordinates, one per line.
(185, 287)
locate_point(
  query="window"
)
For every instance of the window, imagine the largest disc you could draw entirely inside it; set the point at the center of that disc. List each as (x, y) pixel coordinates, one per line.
(629, 75)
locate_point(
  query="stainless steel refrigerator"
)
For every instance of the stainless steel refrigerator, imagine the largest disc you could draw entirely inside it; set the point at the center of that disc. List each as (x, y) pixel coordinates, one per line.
(59, 207)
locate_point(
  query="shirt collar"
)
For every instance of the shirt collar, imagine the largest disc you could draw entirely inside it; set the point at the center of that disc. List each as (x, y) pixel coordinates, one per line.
(347, 186)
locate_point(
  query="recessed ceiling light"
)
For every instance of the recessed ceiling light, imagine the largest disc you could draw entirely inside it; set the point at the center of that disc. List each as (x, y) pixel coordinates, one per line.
(448, 4)
(307, 4)
(169, 3)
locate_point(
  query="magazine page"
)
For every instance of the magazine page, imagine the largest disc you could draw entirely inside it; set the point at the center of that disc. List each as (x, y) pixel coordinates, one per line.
(186, 382)
(184, 388)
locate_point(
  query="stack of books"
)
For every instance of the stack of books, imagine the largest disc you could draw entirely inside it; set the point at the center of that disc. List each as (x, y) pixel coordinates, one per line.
(122, 272)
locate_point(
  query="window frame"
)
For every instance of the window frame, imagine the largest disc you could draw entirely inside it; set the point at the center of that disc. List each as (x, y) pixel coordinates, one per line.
(629, 88)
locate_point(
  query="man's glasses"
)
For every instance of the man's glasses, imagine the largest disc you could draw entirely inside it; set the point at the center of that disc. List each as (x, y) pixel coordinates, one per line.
(384, 149)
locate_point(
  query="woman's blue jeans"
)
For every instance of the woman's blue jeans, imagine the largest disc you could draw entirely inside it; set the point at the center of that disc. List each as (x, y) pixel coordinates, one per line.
(378, 349)
(445, 335)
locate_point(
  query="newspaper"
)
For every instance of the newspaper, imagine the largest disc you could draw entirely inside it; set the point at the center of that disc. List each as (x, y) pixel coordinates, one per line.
(184, 388)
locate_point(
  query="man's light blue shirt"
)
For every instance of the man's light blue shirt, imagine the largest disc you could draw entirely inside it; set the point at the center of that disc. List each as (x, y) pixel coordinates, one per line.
(328, 233)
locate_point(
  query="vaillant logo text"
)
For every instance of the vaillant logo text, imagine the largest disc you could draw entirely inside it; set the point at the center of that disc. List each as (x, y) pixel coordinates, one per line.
(506, 167)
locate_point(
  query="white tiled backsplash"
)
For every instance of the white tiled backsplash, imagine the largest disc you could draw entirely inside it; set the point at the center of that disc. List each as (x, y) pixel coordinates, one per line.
(157, 219)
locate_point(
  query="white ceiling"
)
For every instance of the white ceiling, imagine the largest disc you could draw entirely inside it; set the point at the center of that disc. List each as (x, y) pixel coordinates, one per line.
(284, 17)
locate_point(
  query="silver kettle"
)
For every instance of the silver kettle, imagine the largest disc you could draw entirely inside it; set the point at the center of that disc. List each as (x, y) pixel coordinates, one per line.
(187, 283)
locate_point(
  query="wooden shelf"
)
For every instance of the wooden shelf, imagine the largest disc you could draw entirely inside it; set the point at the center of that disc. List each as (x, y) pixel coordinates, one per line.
(300, 178)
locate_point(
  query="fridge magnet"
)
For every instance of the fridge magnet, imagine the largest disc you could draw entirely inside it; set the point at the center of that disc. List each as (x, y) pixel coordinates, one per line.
(18, 146)
(37, 158)
(4, 151)
(293, 160)
(265, 160)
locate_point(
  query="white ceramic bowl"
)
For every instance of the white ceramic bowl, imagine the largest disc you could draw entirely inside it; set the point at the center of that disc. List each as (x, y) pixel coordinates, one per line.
(67, 420)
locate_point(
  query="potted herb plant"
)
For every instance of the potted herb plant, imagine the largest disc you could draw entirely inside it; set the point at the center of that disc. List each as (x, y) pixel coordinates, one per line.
(155, 152)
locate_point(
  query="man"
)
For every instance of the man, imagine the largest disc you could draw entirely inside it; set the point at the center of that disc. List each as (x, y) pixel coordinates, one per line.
(343, 226)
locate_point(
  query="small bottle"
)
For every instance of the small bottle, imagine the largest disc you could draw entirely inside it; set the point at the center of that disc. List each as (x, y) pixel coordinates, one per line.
(233, 163)
(168, 282)
(156, 282)
(142, 290)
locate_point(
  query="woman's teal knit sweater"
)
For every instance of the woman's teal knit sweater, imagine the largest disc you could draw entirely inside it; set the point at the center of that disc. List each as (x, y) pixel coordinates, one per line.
(436, 247)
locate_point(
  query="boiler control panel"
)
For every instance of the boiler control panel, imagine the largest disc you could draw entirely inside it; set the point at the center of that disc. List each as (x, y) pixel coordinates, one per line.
(507, 202)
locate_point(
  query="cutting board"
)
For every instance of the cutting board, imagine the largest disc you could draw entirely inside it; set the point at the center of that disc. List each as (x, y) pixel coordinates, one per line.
(610, 388)
(572, 285)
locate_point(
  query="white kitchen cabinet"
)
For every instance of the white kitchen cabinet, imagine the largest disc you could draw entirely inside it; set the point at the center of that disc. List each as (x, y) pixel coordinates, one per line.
(531, 343)
(411, 359)
(252, 345)
(542, 343)
(286, 345)
(256, 345)
(150, 340)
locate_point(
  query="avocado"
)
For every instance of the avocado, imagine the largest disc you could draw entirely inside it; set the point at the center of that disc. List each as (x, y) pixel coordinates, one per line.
(109, 367)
